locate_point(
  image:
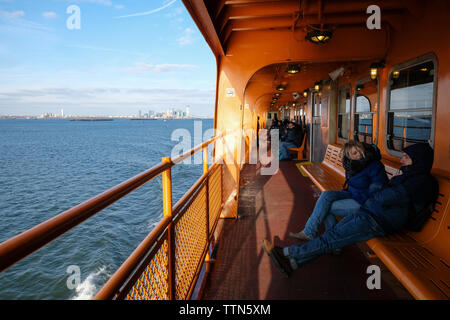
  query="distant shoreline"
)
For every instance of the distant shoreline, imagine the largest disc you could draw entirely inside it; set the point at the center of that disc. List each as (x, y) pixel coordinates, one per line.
(99, 118)
(92, 119)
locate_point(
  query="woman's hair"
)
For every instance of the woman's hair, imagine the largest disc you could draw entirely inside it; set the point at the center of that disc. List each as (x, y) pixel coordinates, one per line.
(345, 151)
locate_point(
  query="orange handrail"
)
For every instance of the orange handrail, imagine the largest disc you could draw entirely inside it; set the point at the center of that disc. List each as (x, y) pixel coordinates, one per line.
(117, 285)
(20, 246)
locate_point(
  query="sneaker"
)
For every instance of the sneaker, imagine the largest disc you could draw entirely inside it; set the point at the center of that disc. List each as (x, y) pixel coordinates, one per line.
(277, 257)
(299, 236)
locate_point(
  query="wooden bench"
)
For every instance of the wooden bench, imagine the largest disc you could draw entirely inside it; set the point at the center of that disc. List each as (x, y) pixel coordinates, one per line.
(299, 150)
(419, 260)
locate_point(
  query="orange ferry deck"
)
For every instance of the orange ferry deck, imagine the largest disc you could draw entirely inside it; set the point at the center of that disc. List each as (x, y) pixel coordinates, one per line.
(271, 207)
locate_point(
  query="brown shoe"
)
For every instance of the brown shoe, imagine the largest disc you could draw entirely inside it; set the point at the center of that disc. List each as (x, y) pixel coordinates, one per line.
(299, 236)
(277, 257)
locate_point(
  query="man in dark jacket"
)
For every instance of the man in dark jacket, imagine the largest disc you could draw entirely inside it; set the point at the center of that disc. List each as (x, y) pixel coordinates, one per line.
(292, 138)
(408, 193)
(385, 212)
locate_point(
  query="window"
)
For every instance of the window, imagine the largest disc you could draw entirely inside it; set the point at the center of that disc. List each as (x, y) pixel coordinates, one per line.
(344, 113)
(366, 105)
(411, 100)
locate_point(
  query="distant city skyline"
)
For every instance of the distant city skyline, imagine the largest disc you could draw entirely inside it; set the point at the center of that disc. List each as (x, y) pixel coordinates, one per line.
(150, 114)
(126, 56)
(141, 112)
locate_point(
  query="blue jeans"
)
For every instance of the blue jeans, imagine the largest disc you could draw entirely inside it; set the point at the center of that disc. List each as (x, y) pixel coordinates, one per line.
(356, 227)
(330, 204)
(284, 152)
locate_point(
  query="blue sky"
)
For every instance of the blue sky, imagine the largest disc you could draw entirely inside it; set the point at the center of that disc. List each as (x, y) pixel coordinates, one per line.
(128, 55)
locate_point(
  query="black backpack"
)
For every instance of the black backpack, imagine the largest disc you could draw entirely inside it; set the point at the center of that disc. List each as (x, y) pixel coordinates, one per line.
(417, 219)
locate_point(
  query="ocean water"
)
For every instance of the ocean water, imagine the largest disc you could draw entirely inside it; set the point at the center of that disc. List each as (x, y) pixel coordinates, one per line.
(49, 166)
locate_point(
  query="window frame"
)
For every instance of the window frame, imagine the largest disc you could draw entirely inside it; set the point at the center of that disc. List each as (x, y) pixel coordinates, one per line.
(340, 139)
(431, 56)
(377, 113)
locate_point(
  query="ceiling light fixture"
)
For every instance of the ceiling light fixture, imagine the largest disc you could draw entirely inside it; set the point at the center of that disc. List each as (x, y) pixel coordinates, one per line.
(318, 34)
(317, 85)
(374, 68)
(293, 69)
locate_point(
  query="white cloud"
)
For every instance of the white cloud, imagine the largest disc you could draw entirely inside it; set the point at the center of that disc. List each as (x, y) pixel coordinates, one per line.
(102, 2)
(187, 37)
(49, 15)
(95, 48)
(15, 22)
(141, 67)
(12, 14)
(147, 12)
(107, 3)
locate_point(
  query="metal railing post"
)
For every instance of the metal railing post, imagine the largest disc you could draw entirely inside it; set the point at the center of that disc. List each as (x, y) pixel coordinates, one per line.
(167, 210)
(205, 172)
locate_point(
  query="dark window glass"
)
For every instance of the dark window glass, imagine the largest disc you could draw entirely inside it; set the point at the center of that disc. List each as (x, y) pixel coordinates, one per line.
(411, 105)
(344, 113)
(365, 111)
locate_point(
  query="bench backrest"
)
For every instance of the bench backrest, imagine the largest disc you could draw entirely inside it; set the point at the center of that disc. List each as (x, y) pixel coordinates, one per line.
(333, 159)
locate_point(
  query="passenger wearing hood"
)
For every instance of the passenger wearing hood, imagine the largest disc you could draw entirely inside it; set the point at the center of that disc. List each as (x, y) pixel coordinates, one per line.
(407, 194)
(385, 212)
(364, 175)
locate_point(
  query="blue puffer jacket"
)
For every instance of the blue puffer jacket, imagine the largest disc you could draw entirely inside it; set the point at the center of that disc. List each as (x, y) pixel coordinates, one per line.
(368, 180)
(416, 186)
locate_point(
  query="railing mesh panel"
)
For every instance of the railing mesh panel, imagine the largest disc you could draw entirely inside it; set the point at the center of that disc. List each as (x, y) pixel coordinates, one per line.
(215, 196)
(190, 243)
(153, 283)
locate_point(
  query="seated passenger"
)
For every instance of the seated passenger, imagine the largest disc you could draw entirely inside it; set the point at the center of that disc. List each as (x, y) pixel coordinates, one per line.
(274, 124)
(291, 139)
(364, 175)
(384, 213)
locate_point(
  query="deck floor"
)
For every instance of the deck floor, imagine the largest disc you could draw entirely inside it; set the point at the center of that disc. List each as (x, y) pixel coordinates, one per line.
(269, 208)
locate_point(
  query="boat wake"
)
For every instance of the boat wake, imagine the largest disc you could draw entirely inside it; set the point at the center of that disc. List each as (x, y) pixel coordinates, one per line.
(87, 289)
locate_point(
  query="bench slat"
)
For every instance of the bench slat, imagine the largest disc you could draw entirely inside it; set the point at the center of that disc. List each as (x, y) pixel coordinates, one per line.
(421, 272)
(324, 178)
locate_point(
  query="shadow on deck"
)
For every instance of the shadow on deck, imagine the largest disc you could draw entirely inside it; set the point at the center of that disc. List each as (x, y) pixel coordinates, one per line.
(270, 207)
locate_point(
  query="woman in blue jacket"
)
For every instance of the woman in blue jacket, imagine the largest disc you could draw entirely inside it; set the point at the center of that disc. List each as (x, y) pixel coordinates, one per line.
(364, 175)
(385, 212)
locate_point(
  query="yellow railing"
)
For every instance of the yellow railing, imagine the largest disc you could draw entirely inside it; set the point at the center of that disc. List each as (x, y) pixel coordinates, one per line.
(167, 263)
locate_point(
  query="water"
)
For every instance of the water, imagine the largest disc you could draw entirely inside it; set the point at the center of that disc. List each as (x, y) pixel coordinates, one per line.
(49, 166)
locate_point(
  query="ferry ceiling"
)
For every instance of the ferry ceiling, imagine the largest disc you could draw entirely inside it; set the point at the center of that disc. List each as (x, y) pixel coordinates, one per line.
(265, 36)
(255, 42)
